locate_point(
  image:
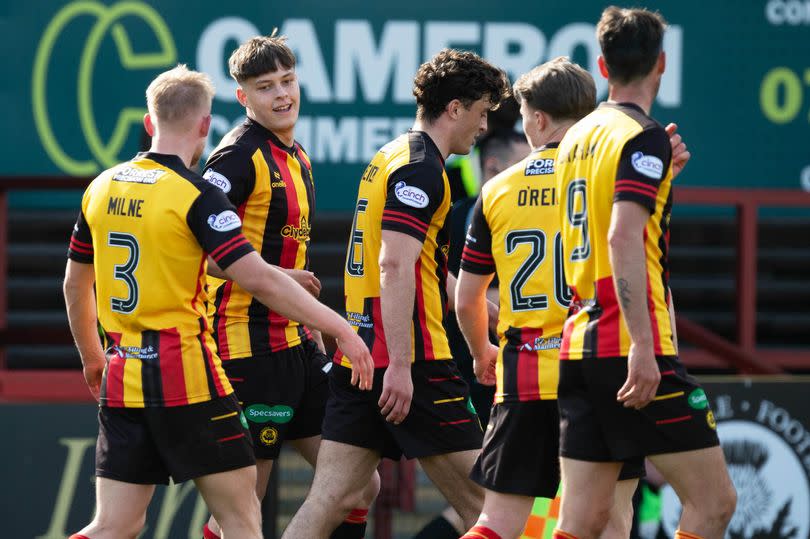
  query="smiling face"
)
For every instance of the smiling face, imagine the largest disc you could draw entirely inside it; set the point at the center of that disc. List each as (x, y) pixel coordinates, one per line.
(470, 124)
(273, 100)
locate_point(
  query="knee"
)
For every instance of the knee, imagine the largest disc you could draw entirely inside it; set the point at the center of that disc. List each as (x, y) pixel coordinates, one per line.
(727, 505)
(371, 490)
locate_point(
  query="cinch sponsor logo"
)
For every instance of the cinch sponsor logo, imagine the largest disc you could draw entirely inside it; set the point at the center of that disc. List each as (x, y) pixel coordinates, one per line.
(217, 179)
(649, 165)
(300, 232)
(262, 413)
(410, 195)
(225, 221)
(536, 167)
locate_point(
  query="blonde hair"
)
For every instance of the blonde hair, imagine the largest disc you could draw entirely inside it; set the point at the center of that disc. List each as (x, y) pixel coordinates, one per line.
(175, 95)
(560, 88)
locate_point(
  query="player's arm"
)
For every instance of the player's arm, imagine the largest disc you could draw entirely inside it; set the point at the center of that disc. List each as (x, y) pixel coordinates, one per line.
(406, 221)
(283, 295)
(672, 320)
(80, 300)
(473, 320)
(472, 306)
(305, 278)
(398, 255)
(643, 164)
(81, 310)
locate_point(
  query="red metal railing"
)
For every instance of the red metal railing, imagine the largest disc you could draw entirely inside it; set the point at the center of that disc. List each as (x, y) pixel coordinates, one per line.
(712, 350)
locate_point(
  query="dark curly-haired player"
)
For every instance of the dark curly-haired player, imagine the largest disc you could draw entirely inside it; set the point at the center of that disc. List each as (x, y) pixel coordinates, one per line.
(397, 286)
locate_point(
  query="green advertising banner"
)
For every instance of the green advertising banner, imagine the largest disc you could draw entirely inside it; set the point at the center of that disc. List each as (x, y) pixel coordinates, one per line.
(737, 79)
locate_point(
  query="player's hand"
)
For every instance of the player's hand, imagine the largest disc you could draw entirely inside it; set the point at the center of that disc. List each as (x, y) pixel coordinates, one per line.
(306, 279)
(93, 372)
(680, 155)
(484, 366)
(397, 392)
(643, 377)
(492, 316)
(356, 350)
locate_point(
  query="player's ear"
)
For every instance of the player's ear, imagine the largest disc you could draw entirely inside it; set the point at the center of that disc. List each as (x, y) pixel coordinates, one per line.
(541, 120)
(205, 125)
(662, 62)
(148, 125)
(241, 96)
(602, 66)
(453, 108)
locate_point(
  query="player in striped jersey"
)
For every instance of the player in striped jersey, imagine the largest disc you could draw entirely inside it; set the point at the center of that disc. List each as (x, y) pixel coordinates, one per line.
(277, 366)
(623, 393)
(515, 232)
(136, 274)
(396, 297)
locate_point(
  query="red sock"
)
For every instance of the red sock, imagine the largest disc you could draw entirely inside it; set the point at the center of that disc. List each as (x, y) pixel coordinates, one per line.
(480, 532)
(679, 534)
(78, 536)
(208, 534)
(354, 527)
(559, 534)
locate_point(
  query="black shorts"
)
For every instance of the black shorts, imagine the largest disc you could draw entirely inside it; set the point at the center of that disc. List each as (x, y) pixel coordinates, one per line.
(148, 445)
(441, 419)
(594, 426)
(283, 395)
(521, 451)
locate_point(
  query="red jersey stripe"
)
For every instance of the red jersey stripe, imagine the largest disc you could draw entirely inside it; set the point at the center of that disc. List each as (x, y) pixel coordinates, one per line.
(400, 217)
(289, 246)
(472, 252)
(528, 384)
(171, 367)
(608, 341)
(80, 243)
(638, 185)
(631, 189)
(404, 222)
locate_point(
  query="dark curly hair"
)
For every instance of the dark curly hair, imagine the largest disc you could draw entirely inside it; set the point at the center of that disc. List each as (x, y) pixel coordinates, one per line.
(454, 74)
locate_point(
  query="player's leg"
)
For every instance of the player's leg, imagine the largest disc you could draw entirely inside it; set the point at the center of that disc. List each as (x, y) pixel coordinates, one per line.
(354, 525)
(701, 481)
(120, 509)
(503, 514)
(268, 388)
(621, 514)
(342, 472)
(587, 496)
(450, 472)
(233, 502)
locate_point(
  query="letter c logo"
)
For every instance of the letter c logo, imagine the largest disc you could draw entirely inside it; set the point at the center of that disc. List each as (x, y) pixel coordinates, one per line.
(107, 20)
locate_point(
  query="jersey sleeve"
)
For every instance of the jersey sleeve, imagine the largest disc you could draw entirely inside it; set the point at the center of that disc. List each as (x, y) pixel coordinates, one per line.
(643, 164)
(217, 227)
(415, 192)
(231, 169)
(81, 242)
(477, 255)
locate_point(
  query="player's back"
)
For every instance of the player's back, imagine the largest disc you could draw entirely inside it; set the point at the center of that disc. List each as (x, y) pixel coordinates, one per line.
(150, 281)
(388, 199)
(588, 170)
(520, 207)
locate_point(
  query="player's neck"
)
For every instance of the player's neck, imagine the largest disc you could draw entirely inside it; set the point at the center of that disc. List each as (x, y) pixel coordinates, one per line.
(169, 145)
(640, 94)
(554, 133)
(436, 133)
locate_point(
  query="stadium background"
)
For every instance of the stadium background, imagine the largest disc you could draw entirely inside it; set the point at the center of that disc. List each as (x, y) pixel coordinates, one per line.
(737, 83)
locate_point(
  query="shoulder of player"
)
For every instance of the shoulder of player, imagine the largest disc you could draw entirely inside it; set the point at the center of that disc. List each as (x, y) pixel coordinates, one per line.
(505, 178)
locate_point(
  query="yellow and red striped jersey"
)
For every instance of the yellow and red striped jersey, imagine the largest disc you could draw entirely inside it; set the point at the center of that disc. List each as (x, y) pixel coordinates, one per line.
(404, 189)
(616, 153)
(271, 186)
(148, 226)
(515, 232)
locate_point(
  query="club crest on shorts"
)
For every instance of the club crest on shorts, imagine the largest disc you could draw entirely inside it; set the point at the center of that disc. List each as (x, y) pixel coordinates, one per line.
(268, 436)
